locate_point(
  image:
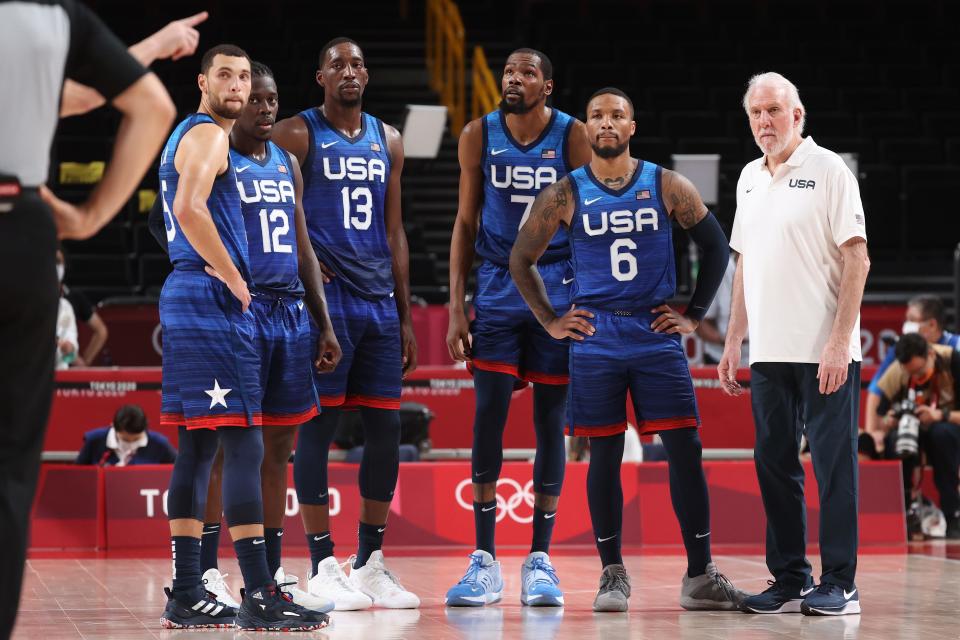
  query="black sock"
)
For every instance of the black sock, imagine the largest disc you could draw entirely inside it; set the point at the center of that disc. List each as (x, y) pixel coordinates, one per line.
(485, 523)
(274, 544)
(605, 496)
(688, 493)
(186, 563)
(542, 529)
(370, 537)
(252, 556)
(209, 546)
(321, 548)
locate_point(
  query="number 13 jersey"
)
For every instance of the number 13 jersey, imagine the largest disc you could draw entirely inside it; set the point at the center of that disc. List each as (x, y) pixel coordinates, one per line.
(344, 196)
(621, 242)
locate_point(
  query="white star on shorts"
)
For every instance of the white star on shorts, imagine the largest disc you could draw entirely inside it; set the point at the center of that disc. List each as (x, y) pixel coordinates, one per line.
(217, 395)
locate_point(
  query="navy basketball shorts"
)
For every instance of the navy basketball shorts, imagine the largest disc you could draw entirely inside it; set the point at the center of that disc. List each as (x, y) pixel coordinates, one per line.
(370, 372)
(287, 351)
(211, 366)
(507, 338)
(626, 355)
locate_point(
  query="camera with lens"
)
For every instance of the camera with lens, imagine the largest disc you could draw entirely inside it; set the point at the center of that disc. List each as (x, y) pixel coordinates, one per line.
(908, 428)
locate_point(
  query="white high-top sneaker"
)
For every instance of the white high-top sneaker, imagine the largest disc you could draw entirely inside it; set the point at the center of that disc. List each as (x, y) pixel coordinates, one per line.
(331, 583)
(213, 581)
(376, 581)
(291, 585)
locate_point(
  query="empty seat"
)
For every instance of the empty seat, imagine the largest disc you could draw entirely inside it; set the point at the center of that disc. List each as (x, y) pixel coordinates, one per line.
(100, 270)
(730, 149)
(112, 239)
(675, 98)
(928, 191)
(683, 124)
(143, 240)
(912, 150)
(888, 124)
(928, 98)
(423, 269)
(859, 99)
(904, 75)
(154, 269)
(880, 193)
(940, 125)
(865, 148)
(656, 150)
(835, 124)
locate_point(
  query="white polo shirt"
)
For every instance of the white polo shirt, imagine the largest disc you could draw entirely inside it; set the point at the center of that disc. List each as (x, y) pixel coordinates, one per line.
(788, 231)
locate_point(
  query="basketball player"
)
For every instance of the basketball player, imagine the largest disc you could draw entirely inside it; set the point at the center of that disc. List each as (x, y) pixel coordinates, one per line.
(351, 174)
(618, 211)
(285, 274)
(506, 158)
(211, 367)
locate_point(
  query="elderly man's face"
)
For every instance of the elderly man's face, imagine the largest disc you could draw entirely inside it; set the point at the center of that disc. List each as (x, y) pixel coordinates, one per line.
(773, 123)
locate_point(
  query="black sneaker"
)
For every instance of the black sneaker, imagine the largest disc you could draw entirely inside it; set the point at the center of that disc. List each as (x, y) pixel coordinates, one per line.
(269, 609)
(199, 610)
(778, 598)
(953, 528)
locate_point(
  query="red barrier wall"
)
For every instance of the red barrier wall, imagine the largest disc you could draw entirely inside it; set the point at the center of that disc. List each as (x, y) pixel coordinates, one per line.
(88, 398)
(135, 334)
(119, 509)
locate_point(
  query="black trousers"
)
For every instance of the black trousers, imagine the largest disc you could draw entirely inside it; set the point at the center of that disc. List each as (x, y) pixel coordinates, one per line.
(940, 441)
(786, 402)
(29, 301)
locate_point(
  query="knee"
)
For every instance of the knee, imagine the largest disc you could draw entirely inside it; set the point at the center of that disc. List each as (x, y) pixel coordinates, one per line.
(277, 447)
(944, 434)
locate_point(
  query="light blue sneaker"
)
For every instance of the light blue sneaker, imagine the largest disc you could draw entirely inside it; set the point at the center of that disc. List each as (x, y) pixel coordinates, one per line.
(539, 580)
(480, 585)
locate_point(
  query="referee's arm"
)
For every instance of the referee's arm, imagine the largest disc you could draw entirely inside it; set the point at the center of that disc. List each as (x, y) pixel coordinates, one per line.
(98, 59)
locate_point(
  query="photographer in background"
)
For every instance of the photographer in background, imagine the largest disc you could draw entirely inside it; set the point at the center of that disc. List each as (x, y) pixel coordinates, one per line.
(925, 315)
(917, 417)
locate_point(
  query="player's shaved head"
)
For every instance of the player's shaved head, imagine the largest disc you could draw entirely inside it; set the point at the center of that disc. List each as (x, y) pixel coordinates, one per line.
(543, 62)
(334, 43)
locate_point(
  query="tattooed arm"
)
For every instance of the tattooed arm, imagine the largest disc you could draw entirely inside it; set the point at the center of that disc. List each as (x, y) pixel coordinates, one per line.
(684, 203)
(552, 207)
(682, 199)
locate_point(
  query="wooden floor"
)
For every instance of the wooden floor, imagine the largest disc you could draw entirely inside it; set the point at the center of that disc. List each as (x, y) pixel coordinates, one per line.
(903, 596)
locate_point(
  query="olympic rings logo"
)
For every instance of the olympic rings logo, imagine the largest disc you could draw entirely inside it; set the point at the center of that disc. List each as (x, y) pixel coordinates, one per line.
(519, 496)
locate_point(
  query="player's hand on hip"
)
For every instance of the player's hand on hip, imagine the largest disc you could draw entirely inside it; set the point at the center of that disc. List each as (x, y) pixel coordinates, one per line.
(325, 271)
(572, 324)
(458, 337)
(328, 351)
(408, 348)
(179, 39)
(74, 221)
(672, 321)
(727, 370)
(238, 287)
(832, 372)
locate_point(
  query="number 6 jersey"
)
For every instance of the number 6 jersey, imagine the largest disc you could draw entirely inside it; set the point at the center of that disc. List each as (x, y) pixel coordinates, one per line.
(621, 243)
(268, 203)
(344, 195)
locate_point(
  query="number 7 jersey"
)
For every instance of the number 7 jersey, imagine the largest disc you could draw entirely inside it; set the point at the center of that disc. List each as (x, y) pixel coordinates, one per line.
(344, 199)
(621, 242)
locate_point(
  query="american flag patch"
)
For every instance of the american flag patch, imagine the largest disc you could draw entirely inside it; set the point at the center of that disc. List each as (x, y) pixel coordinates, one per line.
(643, 195)
(281, 168)
(549, 154)
(374, 146)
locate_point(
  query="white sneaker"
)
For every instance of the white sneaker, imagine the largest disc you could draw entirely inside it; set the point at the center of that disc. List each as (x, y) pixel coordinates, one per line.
(331, 583)
(291, 585)
(213, 581)
(380, 585)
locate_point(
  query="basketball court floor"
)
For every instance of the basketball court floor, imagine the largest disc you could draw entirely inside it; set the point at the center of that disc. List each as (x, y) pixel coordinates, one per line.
(915, 595)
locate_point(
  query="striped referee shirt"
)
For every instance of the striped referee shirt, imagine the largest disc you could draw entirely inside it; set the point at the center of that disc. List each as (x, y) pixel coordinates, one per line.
(41, 44)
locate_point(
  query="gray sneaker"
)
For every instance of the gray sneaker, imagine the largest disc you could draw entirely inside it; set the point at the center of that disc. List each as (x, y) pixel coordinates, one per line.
(711, 591)
(614, 589)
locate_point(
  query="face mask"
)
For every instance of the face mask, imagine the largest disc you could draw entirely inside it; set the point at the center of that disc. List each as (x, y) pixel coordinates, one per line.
(60, 271)
(910, 327)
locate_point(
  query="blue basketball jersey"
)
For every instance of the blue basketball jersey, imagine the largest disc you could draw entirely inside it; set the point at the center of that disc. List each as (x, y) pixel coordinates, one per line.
(621, 241)
(268, 202)
(223, 203)
(513, 175)
(344, 197)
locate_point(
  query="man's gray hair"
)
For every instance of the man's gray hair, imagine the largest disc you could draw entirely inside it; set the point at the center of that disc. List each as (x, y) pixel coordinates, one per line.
(775, 79)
